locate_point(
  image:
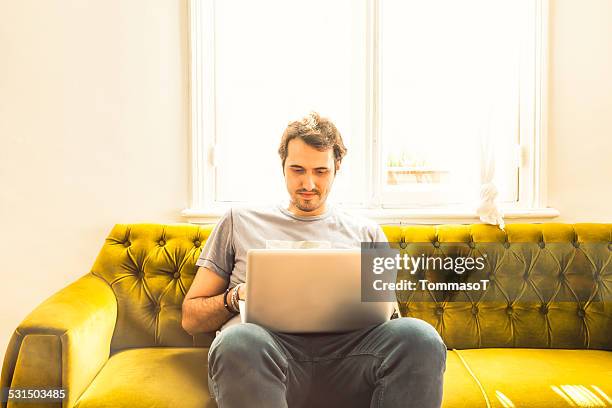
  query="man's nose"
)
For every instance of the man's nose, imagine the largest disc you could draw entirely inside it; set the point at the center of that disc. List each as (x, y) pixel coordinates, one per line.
(308, 183)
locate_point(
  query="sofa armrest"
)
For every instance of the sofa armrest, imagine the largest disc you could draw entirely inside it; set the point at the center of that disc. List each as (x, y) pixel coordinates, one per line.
(65, 341)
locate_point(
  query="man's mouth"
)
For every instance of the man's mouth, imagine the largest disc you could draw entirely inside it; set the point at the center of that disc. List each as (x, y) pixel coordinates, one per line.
(308, 194)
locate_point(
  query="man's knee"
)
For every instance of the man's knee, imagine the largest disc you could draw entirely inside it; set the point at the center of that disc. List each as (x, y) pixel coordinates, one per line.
(243, 343)
(416, 337)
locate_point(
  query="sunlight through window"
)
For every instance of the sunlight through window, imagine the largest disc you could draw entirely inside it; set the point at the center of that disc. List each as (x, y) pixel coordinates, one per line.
(581, 396)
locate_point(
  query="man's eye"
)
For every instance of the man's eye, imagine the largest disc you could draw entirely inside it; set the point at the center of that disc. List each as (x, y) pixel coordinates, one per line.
(322, 171)
(298, 170)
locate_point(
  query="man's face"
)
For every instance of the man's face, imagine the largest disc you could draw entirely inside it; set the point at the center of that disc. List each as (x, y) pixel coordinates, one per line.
(309, 175)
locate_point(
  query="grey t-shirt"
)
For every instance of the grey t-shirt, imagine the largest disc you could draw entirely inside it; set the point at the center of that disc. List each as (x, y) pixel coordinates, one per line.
(241, 229)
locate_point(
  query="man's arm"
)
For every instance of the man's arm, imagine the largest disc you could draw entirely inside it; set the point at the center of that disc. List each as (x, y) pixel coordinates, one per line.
(203, 309)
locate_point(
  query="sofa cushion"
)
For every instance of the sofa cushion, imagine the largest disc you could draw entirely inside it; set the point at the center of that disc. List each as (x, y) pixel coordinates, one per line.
(151, 377)
(168, 377)
(541, 377)
(460, 388)
(176, 377)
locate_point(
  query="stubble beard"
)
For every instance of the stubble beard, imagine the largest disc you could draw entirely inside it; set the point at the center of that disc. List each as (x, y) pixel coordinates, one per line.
(308, 205)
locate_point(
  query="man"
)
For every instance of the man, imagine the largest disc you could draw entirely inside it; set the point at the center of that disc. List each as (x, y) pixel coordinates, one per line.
(398, 363)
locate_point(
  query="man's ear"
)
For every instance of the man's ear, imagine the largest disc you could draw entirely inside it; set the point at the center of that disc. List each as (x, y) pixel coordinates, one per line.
(337, 166)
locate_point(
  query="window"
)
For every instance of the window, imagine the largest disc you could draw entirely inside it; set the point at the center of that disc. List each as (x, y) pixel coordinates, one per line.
(431, 97)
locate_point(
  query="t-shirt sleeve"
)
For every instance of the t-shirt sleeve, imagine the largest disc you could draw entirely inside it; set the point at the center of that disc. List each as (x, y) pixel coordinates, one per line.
(218, 253)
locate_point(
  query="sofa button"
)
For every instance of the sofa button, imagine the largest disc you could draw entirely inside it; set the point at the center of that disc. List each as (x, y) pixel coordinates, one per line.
(474, 310)
(581, 312)
(472, 245)
(541, 244)
(436, 244)
(506, 245)
(162, 242)
(509, 310)
(576, 244)
(492, 278)
(610, 246)
(127, 244)
(403, 245)
(196, 243)
(439, 310)
(176, 275)
(544, 309)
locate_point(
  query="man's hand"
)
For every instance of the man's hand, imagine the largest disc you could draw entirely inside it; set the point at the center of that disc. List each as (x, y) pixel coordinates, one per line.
(242, 292)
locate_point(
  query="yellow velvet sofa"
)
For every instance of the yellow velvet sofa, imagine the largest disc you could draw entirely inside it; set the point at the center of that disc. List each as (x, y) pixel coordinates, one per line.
(113, 338)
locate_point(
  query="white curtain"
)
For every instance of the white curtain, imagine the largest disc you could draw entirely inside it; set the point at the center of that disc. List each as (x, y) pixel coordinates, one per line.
(488, 209)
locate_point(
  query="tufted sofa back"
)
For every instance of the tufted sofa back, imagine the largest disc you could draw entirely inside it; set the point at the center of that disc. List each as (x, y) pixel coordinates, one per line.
(150, 267)
(550, 285)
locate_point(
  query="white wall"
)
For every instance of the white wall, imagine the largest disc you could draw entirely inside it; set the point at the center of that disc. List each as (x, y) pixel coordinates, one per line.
(580, 110)
(93, 131)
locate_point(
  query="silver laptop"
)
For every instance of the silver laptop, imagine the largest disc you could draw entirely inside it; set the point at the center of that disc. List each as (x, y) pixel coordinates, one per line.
(309, 290)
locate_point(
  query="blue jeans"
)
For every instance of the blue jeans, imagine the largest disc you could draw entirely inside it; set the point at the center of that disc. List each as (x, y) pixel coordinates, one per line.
(399, 363)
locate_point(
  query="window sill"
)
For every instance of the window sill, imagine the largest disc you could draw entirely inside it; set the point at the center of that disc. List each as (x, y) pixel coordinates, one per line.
(403, 216)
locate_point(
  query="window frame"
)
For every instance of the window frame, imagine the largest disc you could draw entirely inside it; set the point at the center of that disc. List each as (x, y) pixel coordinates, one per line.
(532, 181)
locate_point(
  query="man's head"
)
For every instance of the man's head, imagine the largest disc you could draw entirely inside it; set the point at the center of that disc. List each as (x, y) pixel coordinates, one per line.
(311, 151)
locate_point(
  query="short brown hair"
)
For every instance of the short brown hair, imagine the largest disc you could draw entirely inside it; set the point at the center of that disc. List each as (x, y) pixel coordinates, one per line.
(315, 131)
